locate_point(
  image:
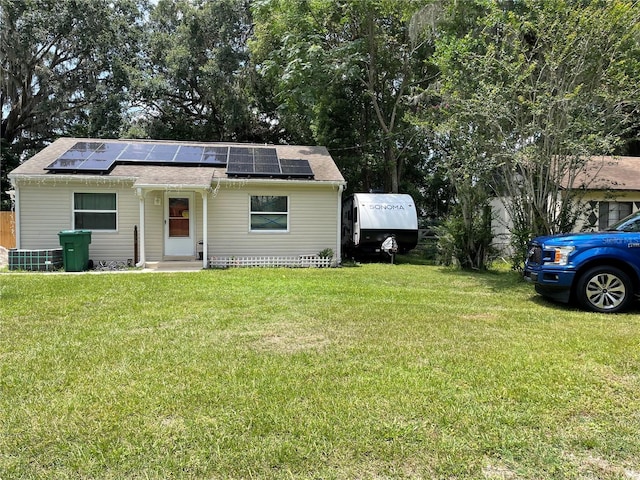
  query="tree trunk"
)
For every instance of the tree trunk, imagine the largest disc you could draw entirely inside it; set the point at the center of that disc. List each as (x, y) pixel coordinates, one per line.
(392, 164)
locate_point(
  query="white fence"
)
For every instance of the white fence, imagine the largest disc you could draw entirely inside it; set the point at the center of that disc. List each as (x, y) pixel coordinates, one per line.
(293, 262)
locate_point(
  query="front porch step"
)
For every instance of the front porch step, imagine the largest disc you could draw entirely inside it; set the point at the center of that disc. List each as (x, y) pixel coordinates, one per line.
(175, 265)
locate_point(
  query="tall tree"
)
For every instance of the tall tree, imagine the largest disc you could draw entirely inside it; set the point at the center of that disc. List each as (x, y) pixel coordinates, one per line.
(546, 84)
(63, 70)
(341, 73)
(197, 82)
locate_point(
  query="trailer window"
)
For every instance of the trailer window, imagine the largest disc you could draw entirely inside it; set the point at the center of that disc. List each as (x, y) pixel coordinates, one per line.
(269, 213)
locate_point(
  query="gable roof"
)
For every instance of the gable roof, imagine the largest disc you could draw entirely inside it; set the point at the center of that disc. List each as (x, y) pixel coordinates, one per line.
(610, 173)
(322, 165)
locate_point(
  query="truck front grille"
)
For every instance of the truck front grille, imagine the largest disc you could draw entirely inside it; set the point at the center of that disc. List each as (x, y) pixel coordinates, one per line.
(534, 255)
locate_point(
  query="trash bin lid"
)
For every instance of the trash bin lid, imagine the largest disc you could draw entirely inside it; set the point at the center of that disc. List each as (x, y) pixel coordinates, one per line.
(74, 232)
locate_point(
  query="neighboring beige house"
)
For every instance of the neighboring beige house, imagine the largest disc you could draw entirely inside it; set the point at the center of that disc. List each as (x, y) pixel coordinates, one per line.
(612, 191)
(220, 202)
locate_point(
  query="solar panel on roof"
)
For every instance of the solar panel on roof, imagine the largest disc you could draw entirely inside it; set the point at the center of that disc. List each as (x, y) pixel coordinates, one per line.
(107, 151)
(215, 156)
(96, 165)
(267, 164)
(91, 157)
(76, 154)
(189, 154)
(96, 157)
(243, 168)
(66, 163)
(162, 153)
(248, 151)
(266, 169)
(136, 151)
(265, 154)
(86, 146)
(296, 167)
(264, 162)
(253, 161)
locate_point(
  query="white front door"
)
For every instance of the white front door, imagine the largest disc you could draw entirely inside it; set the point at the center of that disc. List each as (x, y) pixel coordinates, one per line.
(179, 222)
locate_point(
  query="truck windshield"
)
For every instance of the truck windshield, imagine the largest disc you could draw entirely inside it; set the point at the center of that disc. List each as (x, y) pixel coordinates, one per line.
(628, 224)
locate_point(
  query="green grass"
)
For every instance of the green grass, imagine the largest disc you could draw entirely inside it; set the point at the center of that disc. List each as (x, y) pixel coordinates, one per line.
(379, 371)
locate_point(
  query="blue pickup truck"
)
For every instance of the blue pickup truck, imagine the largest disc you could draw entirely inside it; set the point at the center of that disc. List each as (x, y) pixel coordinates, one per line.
(600, 271)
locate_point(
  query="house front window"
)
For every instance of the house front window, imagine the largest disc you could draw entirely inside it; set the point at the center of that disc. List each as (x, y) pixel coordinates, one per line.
(95, 211)
(269, 213)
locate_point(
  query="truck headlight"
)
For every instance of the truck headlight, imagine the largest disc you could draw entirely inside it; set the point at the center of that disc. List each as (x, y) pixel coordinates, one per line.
(559, 255)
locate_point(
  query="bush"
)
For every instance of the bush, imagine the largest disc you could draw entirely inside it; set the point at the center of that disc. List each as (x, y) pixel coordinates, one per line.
(467, 241)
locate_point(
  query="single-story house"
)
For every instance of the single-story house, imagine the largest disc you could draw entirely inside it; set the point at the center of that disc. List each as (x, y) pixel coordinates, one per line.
(158, 200)
(610, 191)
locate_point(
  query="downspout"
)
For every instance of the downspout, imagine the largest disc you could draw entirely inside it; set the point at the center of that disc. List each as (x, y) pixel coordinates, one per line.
(16, 213)
(339, 236)
(205, 228)
(141, 222)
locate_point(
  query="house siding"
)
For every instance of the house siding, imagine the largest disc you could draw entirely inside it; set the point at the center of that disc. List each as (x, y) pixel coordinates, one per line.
(313, 218)
(154, 226)
(40, 216)
(591, 204)
(588, 220)
(46, 209)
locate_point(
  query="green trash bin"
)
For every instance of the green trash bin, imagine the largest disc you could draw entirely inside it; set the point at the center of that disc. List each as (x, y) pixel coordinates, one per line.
(75, 249)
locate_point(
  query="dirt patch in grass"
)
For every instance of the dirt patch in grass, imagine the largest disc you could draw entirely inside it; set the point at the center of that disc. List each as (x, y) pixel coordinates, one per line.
(602, 468)
(497, 471)
(290, 338)
(480, 316)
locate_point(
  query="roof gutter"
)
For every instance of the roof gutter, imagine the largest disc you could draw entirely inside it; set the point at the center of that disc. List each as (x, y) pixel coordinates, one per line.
(35, 178)
(167, 186)
(242, 181)
(272, 181)
(19, 178)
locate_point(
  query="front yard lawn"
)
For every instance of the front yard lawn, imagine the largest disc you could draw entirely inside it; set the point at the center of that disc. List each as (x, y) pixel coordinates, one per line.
(379, 371)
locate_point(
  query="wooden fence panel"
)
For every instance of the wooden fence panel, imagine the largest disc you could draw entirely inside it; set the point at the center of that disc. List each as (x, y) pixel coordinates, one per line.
(7, 229)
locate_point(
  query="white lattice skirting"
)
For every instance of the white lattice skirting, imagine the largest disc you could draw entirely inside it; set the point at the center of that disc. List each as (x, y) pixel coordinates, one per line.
(301, 261)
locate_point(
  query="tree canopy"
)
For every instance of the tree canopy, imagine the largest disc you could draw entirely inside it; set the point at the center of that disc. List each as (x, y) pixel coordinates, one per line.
(64, 71)
(534, 89)
(340, 74)
(196, 77)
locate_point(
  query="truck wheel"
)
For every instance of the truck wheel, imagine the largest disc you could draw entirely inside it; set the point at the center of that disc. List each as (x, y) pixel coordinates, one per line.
(604, 289)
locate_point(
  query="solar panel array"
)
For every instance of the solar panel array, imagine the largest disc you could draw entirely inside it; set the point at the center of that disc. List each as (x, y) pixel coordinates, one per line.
(264, 162)
(101, 157)
(98, 157)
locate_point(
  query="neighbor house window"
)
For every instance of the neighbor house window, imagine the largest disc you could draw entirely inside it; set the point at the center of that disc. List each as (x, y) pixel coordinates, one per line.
(611, 212)
(269, 213)
(94, 211)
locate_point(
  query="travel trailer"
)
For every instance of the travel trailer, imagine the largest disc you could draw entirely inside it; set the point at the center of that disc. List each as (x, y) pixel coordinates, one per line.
(368, 219)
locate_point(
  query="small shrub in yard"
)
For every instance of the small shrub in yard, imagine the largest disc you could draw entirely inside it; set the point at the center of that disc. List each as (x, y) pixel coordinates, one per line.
(326, 253)
(466, 240)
